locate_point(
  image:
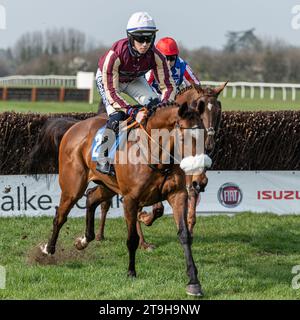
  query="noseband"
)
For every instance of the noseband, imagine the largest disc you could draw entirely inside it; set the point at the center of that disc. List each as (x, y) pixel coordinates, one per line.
(210, 131)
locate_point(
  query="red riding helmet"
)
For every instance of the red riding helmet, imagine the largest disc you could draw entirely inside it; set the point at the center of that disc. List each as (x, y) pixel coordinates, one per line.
(167, 46)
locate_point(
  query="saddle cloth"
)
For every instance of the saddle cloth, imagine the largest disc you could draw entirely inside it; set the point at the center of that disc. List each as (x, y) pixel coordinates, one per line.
(97, 142)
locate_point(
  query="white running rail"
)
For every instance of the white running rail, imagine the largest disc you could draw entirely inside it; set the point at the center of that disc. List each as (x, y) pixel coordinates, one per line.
(39, 81)
(261, 86)
(251, 87)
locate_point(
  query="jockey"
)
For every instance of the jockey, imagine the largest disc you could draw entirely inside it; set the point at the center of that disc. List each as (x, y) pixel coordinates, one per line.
(181, 71)
(123, 69)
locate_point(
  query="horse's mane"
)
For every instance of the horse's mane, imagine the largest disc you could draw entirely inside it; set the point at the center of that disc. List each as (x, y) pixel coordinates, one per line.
(197, 87)
(161, 106)
(208, 91)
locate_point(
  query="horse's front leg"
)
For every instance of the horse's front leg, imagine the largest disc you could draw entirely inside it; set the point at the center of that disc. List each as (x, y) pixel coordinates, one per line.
(195, 187)
(179, 201)
(192, 204)
(130, 212)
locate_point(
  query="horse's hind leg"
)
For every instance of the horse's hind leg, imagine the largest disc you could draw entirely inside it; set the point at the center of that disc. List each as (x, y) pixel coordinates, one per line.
(149, 218)
(73, 187)
(62, 211)
(142, 243)
(105, 205)
(95, 196)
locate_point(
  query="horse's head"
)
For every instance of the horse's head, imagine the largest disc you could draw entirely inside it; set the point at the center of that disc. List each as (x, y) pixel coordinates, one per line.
(188, 134)
(208, 105)
(196, 163)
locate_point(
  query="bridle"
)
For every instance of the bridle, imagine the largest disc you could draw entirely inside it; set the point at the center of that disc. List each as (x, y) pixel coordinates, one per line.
(210, 130)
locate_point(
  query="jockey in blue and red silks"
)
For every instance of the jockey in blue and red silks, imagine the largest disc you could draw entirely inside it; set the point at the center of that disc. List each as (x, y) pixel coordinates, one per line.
(181, 71)
(123, 69)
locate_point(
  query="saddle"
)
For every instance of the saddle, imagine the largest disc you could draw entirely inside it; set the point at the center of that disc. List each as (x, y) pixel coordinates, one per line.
(124, 130)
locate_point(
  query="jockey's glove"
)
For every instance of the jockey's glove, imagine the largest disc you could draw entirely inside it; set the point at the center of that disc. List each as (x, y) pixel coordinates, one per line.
(132, 111)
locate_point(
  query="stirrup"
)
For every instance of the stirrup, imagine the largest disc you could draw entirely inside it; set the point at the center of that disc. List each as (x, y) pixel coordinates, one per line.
(106, 168)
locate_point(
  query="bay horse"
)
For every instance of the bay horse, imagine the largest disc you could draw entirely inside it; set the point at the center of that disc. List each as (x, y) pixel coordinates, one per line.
(54, 129)
(205, 100)
(139, 184)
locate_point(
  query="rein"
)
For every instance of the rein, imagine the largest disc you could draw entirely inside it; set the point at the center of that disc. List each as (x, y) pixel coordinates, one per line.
(160, 147)
(164, 172)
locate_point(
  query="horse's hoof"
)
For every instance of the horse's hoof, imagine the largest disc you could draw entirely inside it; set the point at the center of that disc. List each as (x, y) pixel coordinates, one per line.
(99, 237)
(44, 250)
(131, 274)
(146, 218)
(194, 290)
(147, 246)
(81, 243)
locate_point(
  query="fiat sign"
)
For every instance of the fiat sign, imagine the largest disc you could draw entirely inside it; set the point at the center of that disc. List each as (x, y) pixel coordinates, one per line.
(230, 195)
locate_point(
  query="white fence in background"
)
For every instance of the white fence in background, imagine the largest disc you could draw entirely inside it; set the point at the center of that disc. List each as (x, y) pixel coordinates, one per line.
(39, 81)
(71, 82)
(252, 86)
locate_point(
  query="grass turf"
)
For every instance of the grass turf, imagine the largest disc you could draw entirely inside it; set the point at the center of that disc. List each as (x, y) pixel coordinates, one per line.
(247, 256)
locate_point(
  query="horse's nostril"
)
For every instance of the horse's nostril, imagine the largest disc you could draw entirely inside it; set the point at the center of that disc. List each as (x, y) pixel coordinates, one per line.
(196, 186)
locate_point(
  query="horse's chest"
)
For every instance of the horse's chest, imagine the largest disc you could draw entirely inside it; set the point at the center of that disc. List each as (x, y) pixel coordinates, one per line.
(159, 190)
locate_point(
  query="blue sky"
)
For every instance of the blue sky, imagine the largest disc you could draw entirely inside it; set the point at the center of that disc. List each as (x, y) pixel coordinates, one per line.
(194, 23)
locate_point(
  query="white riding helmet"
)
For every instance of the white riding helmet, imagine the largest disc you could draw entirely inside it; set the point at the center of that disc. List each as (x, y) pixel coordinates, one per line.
(141, 22)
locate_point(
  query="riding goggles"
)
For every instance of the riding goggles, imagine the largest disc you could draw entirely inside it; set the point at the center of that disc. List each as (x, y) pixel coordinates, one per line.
(143, 38)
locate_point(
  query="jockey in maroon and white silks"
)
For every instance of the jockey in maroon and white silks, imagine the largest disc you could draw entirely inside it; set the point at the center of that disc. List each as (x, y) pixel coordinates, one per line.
(122, 70)
(121, 66)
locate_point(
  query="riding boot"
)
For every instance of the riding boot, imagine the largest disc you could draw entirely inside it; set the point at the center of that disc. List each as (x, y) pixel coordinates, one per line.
(103, 163)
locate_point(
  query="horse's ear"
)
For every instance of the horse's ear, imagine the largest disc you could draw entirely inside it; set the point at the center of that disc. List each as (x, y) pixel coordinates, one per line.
(219, 89)
(183, 109)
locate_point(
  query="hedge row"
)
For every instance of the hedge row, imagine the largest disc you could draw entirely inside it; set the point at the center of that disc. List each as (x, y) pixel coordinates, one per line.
(245, 141)
(258, 141)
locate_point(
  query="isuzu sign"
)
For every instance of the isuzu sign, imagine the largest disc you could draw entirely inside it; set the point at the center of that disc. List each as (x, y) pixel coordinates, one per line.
(230, 195)
(278, 195)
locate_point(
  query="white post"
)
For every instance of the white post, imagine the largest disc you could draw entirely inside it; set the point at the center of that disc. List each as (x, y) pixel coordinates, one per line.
(252, 92)
(284, 93)
(262, 92)
(293, 93)
(233, 91)
(85, 80)
(242, 92)
(272, 93)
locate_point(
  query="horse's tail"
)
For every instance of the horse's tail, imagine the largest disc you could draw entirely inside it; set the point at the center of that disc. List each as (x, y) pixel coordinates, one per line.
(44, 156)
